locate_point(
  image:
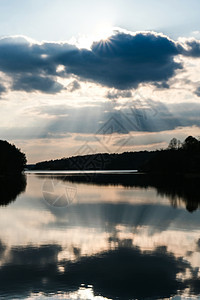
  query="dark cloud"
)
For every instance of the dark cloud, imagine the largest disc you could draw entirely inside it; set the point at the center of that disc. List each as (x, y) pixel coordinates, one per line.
(162, 85)
(31, 65)
(115, 94)
(190, 48)
(197, 92)
(123, 61)
(73, 86)
(30, 83)
(41, 131)
(2, 89)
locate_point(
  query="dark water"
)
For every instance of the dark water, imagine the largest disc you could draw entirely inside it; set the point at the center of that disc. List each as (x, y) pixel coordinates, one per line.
(104, 237)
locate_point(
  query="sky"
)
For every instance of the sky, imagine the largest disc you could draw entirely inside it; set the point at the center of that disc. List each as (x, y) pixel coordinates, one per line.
(80, 77)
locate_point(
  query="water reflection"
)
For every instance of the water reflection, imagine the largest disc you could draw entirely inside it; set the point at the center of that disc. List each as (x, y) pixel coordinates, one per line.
(177, 188)
(124, 272)
(11, 187)
(121, 239)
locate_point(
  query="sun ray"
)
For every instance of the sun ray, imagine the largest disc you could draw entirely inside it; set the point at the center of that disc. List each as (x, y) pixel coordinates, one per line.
(101, 33)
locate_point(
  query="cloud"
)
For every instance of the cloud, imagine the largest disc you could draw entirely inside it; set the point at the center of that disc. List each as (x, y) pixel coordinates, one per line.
(85, 138)
(2, 89)
(30, 83)
(197, 92)
(133, 116)
(29, 64)
(145, 115)
(73, 86)
(122, 61)
(115, 94)
(35, 132)
(190, 47)
(162, 85)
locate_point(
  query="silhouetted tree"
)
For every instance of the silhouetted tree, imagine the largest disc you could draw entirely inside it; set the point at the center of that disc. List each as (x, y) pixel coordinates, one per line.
(191, 144)
(12, 160)
(174, 144)
(186, 159)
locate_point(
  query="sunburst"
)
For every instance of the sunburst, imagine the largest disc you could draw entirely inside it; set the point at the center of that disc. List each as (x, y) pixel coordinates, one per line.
(101, 33)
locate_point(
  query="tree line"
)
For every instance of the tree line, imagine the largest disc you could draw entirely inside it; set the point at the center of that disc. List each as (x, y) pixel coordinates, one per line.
(178, 157)
(12, 160)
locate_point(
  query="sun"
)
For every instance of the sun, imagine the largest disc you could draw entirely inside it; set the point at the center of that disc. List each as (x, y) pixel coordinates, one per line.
(101, 32)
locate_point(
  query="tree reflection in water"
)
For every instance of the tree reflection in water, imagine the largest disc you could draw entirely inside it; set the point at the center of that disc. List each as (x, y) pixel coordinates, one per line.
(179, 189)
(121, 269)
(11, 187)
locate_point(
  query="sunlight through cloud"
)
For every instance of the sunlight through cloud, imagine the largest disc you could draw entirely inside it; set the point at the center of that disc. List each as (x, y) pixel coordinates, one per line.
(102, 31)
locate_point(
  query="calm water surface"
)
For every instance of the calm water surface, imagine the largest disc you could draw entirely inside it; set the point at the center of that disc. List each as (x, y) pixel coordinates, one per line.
(110, 238)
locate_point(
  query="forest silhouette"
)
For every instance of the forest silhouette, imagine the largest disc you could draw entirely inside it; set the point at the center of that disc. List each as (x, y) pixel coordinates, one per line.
(12, 160)
(177, 158)
(12, 181)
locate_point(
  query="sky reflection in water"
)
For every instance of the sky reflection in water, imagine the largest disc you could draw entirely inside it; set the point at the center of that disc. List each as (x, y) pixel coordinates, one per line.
(117, 241)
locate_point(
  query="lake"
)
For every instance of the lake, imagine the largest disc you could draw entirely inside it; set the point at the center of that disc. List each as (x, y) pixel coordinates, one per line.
(99, 236)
